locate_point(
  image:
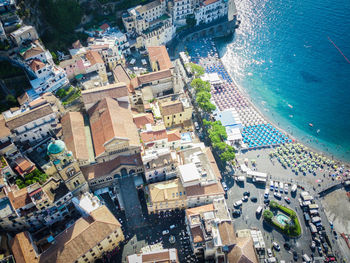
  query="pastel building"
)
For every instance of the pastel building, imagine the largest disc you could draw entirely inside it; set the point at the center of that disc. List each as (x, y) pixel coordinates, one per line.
(176, 112)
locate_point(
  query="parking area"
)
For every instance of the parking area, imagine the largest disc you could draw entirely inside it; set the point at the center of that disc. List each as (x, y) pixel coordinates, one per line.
(249, 218)
(168, 228)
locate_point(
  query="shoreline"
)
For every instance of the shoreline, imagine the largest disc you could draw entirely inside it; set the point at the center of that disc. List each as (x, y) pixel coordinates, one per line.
(277, 126)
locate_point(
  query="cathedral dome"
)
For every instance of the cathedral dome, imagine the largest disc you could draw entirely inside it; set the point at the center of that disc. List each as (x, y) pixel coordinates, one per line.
(56, 147)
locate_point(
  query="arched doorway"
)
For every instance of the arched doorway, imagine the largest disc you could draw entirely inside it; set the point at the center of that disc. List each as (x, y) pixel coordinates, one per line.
(124, 172)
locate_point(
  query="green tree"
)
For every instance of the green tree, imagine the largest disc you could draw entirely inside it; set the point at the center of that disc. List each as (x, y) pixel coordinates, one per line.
(11, 100)
(228, 154)
(196, 69)
(61, 93)
(268, 215)
(63, 15)
(191, 20)
(200, 85)
(54, 58)
(273, 204)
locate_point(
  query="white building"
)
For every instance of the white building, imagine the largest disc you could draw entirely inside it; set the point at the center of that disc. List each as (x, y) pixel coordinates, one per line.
(31, 123)
(159, 165)
(211, 10)
(24, 33)
(199, 175)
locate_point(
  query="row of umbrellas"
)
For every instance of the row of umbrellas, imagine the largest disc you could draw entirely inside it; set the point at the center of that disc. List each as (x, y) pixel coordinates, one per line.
(300, 159)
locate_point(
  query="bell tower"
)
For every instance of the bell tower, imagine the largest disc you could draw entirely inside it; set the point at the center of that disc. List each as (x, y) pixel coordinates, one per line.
(67, 167)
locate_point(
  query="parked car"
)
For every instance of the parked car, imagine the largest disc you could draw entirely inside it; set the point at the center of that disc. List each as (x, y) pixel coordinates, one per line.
(287, 246)
(224, 185)
(266, 194)
(277, 195)
(236, 213)
(165, 232)
(237, 203)
(254, 199)
(276, 246)
(286, 188)
(172, 226)
(269, 253)
(319, 248)
(295, 255)
(287, 199)
(247, 193)
(281, 187)
(245, 198)
(313, 245)
(266, 201)
(276, 186)
(271, 186)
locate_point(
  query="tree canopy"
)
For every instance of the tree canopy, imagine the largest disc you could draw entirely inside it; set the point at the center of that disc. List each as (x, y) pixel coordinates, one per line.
(63, 15)
(31, 178)
(197, 70)
(200, 85)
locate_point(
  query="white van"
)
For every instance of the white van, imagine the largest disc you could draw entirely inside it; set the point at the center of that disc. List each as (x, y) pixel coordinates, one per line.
(306, 258)
(237, 203)
(294, 188)
(259, 210)
(281, 187)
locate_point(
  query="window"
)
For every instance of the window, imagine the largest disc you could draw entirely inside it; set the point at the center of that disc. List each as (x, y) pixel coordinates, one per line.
(168, 117)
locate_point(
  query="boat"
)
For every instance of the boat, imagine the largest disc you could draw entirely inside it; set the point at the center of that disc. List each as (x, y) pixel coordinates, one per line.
(290, 106)
(311, 125)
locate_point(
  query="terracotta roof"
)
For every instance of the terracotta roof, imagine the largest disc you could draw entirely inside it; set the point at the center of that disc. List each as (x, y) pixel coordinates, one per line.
(29, 116)
(227, 233)
(151, 136)
(142, 119)
(74, 134)
(110, 119)
(212, 189)
(77, 44)
(101, 169)
(4, 131)
(199, 209)
(161, 74)
(212, 162)
(104, 26)
(113, 91)
(159, 57)
(209, 2)
(243, 251)
(22, 248)
(36, 64)
(37, 102)
(174, 136)
(23, 98)
(94, 57)
(19, 198)
(166, 191)
(23, 165)
(83, 235)
(120, 75)
(197, 234)
(171, 107)
(163, 256)
(32, 52)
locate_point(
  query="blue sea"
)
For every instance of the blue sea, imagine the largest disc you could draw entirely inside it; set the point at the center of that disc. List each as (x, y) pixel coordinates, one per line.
(282, 56)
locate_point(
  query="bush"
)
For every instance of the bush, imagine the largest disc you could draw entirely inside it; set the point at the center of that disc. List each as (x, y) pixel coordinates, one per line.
(290, 230)
(268, 215)
(31, 178)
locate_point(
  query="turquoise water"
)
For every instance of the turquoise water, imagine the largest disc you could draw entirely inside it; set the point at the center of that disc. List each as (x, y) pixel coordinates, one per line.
(282, 219)
(282, 57)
